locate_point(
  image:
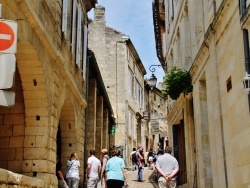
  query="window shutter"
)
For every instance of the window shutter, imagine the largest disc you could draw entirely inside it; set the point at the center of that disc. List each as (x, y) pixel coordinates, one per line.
(64, 17)
(171, 9)
(73, 26)
(78, 36)
(85, 42)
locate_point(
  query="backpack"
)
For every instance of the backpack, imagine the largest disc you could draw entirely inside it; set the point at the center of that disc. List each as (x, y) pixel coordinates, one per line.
(134, 158)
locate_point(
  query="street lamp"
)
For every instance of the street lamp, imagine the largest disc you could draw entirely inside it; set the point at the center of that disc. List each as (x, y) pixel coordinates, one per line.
(153, 79)
(246, 82)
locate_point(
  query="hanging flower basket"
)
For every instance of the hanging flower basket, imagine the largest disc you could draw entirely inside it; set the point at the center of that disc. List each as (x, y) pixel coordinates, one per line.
(177, 81)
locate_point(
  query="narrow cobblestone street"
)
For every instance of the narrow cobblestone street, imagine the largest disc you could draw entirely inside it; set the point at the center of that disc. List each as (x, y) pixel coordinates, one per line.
(148, 179)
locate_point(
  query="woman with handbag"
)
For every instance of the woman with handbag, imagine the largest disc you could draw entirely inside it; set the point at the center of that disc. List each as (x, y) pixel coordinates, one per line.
(72, 173)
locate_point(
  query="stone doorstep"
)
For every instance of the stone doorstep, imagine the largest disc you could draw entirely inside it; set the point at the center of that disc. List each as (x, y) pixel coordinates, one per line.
(10, 178)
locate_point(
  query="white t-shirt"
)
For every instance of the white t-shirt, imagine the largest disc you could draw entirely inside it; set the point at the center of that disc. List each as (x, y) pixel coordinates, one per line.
(95, 163)
(73, 167)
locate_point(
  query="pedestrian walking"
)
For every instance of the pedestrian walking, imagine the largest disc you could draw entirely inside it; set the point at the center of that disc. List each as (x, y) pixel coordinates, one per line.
(93, 170)
(61, 181)
(72, 173)
(140, 162)
(167, 167)
(116, 174)
(104, 160)
(133, 159)
(150, 159)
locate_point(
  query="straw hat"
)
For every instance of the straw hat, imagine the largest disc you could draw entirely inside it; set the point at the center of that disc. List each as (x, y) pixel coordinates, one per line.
(104, 150)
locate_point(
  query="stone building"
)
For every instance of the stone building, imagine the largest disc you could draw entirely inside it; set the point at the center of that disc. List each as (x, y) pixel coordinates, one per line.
(210, 126)
(48, 118)
(155, 107)
(122, 72)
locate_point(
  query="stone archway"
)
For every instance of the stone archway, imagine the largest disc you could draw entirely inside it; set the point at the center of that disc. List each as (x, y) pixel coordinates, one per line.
(32, 76)
(23, 134)
(66, 134)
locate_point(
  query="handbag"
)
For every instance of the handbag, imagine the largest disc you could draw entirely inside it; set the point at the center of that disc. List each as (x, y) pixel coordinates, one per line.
(68, 169)
(65, 185)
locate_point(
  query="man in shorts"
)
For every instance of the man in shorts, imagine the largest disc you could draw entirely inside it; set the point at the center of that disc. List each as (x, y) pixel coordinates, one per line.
(93, 170)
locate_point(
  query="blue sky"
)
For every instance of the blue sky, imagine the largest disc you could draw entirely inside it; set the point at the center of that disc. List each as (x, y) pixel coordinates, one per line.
(135, 19)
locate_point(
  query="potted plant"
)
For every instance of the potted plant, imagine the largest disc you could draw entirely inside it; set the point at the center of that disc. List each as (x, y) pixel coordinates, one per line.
(177, 81)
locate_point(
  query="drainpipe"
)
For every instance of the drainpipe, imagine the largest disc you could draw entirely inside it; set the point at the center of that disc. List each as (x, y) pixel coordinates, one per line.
(243, 6)
(246, 50)
(86, 111)
(214, 3)
(247, 57)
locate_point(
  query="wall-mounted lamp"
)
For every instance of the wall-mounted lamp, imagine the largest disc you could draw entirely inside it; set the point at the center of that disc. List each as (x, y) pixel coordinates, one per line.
(153, 79)
(246, 82)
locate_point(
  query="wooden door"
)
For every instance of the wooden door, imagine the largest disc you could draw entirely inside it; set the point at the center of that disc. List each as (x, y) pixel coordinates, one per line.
(179, 152)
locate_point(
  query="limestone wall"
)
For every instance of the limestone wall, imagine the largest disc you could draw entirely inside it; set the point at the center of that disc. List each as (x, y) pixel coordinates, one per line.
(217, 121)
(50, 98)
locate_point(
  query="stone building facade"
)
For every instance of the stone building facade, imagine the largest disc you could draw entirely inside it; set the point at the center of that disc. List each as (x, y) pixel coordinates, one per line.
(156, 128)
(48, 118)
(210, 126)
(122, 72)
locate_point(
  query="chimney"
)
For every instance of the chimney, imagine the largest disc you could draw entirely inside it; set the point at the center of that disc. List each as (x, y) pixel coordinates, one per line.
(100, 13)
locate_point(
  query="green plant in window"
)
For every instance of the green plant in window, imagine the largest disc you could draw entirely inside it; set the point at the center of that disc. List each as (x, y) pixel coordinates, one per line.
(177, 81)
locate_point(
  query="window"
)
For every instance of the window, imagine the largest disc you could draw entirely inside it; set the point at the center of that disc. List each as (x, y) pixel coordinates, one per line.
(134, 127)
(73, 27)
(78, 36)
(64, 17)
(85, 36)
(131, 82)
(161, 102)
(129, 122)
(171, 9)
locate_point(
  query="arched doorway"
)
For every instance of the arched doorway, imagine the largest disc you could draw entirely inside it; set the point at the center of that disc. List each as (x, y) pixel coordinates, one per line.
(66, 134)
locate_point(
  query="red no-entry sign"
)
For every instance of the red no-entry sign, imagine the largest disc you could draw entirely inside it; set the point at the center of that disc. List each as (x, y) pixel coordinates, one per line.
(8, 36)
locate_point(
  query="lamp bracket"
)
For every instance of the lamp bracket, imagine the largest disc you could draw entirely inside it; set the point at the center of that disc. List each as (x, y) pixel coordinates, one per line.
(152, 69)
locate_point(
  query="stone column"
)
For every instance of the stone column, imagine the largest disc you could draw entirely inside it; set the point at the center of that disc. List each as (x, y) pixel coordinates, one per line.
(99, 125)
(105, 129)
(91, 124)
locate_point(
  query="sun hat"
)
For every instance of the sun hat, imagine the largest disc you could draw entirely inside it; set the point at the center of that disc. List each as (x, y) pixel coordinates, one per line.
(104, 150)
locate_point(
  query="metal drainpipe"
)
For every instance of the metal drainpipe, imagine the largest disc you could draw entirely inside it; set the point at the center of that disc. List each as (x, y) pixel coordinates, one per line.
(214, 3)
(243, 6)
(246, 50)
(86, 113)
(247, 57)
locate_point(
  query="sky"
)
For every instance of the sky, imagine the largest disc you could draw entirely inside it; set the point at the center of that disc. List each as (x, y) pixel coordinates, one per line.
(134, 18)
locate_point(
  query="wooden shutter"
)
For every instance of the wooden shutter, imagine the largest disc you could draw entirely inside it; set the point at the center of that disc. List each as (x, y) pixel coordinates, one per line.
(79, 36)
(73, 26)
(85, 43)
(64, 17)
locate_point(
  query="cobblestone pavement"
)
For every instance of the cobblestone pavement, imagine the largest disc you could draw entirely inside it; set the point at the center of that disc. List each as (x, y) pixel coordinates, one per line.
(148, 179)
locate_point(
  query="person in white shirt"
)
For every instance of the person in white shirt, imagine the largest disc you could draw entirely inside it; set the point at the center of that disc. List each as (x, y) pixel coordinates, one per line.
(133, 159)
(72, 173)
(93, 170)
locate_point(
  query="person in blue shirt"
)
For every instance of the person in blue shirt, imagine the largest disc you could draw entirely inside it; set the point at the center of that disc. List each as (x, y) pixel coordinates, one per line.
(116, 174)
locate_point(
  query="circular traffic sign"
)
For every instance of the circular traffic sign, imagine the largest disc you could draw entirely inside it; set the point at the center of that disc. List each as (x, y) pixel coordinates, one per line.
(6, 36)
